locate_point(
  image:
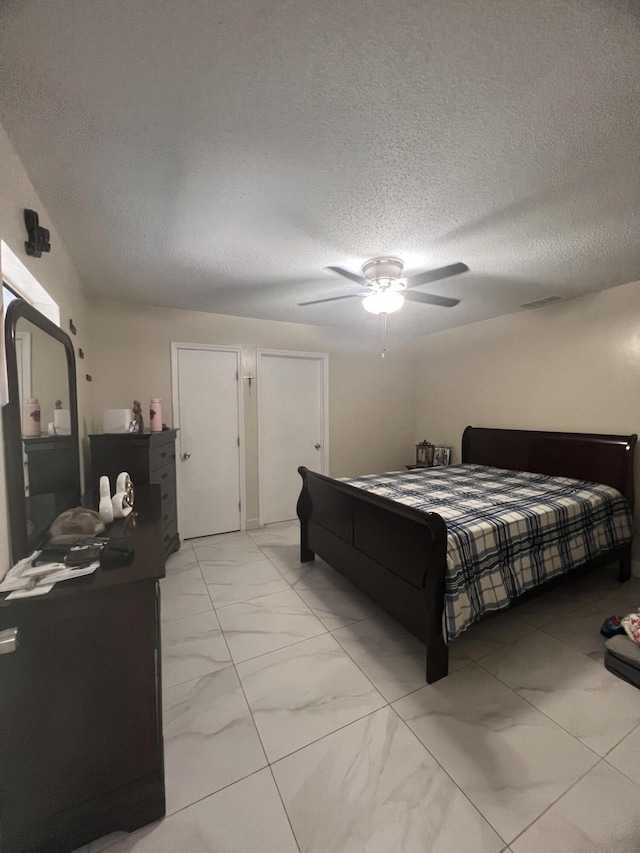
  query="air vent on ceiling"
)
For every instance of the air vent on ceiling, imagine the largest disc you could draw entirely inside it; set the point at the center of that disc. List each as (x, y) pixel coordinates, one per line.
(540, 302)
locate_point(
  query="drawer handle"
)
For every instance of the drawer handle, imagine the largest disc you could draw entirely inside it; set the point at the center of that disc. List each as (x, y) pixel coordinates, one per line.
(164, 476)
(165, 496)
(166, 537)
(162, 455)
(165, 517)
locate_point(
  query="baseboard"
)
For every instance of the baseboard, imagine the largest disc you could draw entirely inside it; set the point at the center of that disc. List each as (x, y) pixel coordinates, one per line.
(252, 524)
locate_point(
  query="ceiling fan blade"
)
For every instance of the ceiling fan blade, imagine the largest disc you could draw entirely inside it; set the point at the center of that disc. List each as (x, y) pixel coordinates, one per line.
(332, 299)
(430, 299)
(435, 275)
(351, 275)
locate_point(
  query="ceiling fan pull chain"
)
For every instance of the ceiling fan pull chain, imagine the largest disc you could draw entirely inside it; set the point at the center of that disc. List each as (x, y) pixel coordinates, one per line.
(384, 335)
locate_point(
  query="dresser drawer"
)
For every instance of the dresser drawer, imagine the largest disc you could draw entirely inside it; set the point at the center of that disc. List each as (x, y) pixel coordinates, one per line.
(168, 496)
(162, 455)
(169, 513)
(165, 477)
(169, 535)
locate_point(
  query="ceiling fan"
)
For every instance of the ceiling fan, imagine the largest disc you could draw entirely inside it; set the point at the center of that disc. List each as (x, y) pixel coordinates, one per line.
(387, 289)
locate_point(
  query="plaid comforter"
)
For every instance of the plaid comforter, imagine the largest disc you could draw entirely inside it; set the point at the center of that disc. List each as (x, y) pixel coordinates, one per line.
(508, 531)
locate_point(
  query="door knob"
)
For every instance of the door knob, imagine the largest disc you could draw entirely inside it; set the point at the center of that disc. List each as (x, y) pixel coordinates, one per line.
(8, 641)
(317, 446)
(186, 455)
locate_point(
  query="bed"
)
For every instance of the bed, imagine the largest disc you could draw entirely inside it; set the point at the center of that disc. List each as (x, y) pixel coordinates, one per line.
(398, 554)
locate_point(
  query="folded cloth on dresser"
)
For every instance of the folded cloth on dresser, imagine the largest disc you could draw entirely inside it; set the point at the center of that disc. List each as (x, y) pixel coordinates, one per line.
(508, 531)
(117, 553)
(24, 580)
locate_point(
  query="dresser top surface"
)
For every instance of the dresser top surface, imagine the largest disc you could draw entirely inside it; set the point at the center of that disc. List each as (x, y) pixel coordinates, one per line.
(145, 529)
(159, 437)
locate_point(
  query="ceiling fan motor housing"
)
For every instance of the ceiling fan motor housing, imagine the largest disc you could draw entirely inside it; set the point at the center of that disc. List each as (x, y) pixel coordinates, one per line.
(384, 273)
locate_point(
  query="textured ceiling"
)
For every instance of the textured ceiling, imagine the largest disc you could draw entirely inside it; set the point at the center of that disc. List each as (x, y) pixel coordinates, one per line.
(217, 155)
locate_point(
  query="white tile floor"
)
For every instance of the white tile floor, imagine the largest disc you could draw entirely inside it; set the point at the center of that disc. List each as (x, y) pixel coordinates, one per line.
(296, 718)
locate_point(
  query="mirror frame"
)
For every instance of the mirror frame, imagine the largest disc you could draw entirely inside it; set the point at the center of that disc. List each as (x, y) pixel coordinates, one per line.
(12, 423)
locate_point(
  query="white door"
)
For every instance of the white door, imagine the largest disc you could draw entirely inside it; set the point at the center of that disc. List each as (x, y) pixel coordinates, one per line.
(292, 427)
(207, 412)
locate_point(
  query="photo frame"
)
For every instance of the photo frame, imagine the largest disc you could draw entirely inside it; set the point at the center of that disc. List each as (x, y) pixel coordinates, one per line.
(441, 455)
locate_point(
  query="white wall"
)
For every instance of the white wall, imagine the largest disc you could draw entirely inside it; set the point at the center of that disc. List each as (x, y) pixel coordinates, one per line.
(371, 399)
(54, 271)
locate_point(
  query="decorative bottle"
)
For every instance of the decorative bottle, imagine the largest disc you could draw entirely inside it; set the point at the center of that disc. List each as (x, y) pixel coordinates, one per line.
(155, 415)
(31, 417)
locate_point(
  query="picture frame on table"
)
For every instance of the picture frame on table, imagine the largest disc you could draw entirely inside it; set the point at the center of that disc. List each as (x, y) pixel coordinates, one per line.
(441, 455)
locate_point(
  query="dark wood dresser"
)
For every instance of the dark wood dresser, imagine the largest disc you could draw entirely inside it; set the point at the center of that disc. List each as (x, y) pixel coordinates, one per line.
(80, 701)
(148, 458)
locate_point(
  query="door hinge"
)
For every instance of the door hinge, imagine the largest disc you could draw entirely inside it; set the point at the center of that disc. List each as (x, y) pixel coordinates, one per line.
(239, 506)
(237, 377)
(238, 441)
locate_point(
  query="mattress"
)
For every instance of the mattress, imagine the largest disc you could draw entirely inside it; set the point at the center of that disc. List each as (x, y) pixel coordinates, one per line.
(508, 531)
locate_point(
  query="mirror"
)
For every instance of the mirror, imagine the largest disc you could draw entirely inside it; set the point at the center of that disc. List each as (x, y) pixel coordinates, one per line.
(40, 427)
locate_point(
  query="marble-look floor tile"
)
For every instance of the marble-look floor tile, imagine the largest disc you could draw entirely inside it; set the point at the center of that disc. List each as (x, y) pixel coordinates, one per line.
(210, 740)
(184, 595)
(601, 814)
(107, 841)
(284, 533)
(578, 693)
(246, 817)
(316, 574)
(626, 756)
(268, 623)
(232, 584)
(338, 607)
(623, 598)
(191, 647)
(580, 629)
(235, 552)
(457, 659)
(285, 557)
(509, 759)
(180, 561)
(218, 539)
(485, 637)
(392, 658)
(303, 692)
(372, 787)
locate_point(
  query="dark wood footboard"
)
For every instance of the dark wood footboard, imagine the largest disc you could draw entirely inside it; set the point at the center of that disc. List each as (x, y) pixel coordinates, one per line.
(396, 555)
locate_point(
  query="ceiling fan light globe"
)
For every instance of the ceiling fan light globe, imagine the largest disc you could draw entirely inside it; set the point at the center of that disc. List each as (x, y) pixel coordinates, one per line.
(383, 302)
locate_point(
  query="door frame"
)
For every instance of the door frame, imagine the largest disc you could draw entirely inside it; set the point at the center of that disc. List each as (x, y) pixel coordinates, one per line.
(323, 358)
(176, 346)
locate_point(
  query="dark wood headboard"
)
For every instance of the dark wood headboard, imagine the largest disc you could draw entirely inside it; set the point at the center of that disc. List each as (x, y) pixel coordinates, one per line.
(604, 459)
